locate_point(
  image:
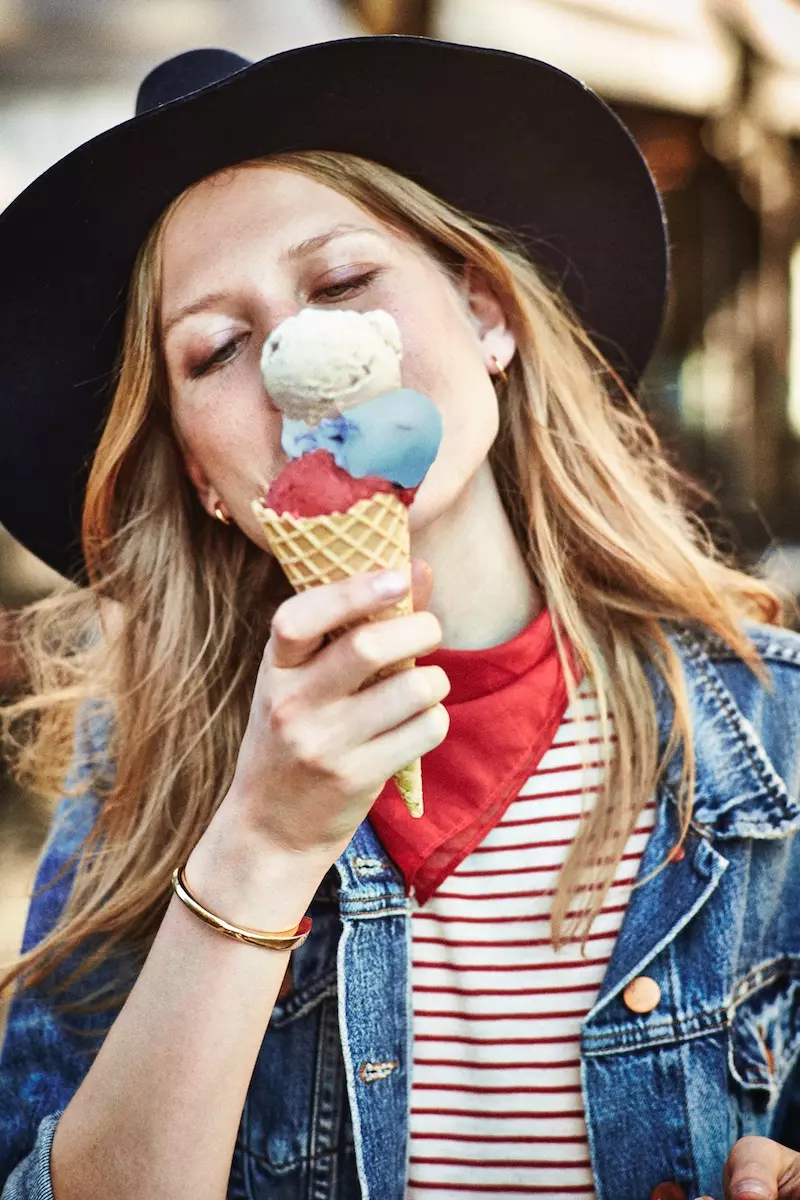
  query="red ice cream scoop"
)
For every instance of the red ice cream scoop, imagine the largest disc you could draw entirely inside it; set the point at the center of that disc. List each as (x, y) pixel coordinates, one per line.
(313, 485)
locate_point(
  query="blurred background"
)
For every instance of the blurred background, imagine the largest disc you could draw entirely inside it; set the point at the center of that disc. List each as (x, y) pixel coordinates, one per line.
(711, 91)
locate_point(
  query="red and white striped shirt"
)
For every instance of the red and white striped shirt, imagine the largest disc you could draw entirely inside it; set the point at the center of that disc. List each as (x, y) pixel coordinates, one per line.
(496, 1104)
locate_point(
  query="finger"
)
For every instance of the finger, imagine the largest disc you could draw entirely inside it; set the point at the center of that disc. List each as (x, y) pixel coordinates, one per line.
(756, 1168)
(371, 765)
(421, 583)
(355, 657)
(360, 718)
(302, 622)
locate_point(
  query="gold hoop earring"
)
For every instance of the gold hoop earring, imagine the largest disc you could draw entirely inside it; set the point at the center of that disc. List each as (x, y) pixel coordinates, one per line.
(220, 515)
(500, 372)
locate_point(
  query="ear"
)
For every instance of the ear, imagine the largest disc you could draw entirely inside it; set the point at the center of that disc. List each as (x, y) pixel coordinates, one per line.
(489, 320)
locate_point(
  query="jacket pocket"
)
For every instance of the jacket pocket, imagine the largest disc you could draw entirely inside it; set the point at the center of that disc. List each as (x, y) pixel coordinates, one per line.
(278, 1116)
(765, 1031)
(295, 1129)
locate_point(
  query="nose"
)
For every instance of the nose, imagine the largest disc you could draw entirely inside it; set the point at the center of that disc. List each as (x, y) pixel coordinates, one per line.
(276, 314)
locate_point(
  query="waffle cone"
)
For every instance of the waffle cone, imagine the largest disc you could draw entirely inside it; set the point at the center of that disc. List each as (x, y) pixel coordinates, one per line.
(372, 535)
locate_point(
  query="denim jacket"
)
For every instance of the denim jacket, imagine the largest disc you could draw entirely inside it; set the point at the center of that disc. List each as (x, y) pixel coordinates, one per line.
(666, 1093)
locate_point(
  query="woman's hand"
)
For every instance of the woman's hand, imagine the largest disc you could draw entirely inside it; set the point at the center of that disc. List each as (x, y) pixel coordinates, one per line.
(317, 750)
(760, 1169)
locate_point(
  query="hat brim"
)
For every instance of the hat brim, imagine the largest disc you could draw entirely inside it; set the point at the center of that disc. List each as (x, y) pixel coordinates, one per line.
(504, 137)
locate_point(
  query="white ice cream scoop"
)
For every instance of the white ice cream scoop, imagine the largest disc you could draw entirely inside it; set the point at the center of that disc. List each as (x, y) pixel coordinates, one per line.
(322, 361)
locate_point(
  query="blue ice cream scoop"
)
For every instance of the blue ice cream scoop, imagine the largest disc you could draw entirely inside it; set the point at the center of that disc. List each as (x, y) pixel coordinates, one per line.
(395, 436)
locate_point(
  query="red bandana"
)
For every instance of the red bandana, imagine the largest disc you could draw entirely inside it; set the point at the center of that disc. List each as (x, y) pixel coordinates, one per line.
(505, 706)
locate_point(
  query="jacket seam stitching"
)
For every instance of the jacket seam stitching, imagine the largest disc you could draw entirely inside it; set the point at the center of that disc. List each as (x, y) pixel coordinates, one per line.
(372, 916)
(649, 1044)
(687, 1123)
(771, 970)
(770, 653)
(324, 992)
(714, 1015)
(767, 646)
(694, 651)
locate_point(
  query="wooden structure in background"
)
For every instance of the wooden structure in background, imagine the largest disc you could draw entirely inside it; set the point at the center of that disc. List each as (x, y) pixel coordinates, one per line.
(396, 16)
(711, 90)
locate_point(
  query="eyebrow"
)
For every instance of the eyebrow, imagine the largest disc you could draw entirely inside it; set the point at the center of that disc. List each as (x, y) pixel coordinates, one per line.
(292, 254)
(316, 243)
(189, 310)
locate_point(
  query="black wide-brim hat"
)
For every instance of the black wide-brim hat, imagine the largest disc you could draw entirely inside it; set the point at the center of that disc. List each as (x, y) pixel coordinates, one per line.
(504, 137)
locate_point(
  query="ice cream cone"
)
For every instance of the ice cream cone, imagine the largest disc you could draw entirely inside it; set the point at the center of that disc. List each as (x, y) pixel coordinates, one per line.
(371, 535)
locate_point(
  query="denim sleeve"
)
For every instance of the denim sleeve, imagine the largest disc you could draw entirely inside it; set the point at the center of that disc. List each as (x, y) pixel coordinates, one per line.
(788, 1124)
(31, 1179)
(46, 1053)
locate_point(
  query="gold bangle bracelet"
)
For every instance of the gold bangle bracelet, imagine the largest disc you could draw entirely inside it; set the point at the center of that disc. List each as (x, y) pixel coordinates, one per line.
(289, 939)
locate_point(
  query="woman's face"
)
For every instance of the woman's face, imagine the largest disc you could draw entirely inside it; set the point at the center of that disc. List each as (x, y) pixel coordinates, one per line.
(250, 247)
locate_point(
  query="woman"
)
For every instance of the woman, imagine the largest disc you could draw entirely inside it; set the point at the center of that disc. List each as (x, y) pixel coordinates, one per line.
(577, 610)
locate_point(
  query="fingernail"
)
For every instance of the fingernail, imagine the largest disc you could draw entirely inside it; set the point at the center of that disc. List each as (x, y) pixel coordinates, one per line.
(753, 1189)
(390, 583)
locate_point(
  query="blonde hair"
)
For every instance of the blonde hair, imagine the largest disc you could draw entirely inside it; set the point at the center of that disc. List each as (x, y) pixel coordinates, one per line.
(593, 502)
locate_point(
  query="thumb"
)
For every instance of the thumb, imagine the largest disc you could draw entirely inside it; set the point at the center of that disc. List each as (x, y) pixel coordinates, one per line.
(756, 1168)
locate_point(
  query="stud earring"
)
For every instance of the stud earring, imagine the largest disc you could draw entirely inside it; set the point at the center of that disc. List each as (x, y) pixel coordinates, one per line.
(500, 371)
(221, 515)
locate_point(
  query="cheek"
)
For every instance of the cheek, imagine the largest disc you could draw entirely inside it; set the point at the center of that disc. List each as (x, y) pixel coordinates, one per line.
(442, 358)
(470, 419)
(230, 440)
(441, 347)
(203, 434)
(445, 361)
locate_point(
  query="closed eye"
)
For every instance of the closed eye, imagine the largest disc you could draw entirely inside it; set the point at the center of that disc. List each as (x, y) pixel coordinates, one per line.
(225, 354)
(347, 287)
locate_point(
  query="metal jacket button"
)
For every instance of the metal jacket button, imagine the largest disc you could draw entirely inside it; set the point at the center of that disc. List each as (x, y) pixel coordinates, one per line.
(641, 996)
(668, 1191)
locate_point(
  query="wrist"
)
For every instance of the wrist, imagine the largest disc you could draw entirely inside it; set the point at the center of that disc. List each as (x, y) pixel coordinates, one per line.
(245, 880)
(287, 837)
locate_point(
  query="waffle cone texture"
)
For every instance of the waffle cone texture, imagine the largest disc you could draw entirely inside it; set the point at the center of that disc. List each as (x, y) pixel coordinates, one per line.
(371, 535)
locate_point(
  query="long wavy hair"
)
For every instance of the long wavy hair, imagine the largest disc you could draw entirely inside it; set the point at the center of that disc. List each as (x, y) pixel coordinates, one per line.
(168, 635)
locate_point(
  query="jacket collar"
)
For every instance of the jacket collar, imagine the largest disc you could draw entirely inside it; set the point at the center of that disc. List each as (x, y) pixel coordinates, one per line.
(738, 792)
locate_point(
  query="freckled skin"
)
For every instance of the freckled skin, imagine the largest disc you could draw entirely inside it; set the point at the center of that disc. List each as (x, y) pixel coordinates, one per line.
(232, 237)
